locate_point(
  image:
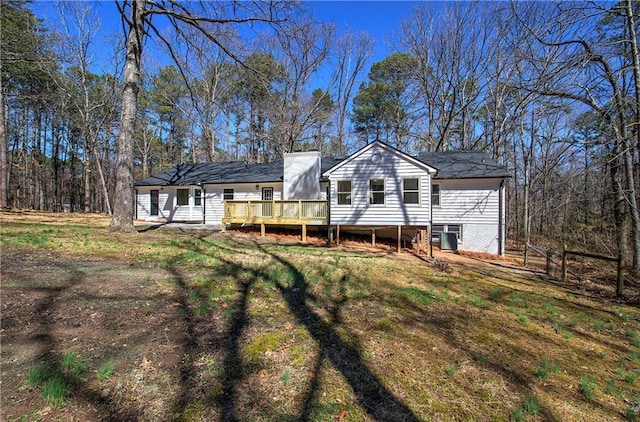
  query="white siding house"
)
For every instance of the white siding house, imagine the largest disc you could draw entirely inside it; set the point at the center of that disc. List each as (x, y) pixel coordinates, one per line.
(380, 186)
(377, 186)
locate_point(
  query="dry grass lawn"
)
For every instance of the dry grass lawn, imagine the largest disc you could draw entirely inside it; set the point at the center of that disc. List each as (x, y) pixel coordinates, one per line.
(193, 325)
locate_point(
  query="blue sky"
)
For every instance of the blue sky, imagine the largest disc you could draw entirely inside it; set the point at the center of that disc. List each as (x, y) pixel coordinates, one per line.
(379, 18)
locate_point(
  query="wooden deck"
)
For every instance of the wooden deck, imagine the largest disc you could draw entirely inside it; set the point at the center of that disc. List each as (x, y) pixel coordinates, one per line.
(294, 212)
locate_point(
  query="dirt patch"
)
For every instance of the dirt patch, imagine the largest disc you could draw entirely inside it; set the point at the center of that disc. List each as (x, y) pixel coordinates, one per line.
(104, 310)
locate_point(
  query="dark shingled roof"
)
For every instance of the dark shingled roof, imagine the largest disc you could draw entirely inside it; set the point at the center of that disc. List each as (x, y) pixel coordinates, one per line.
(463, 165)
(229, 172)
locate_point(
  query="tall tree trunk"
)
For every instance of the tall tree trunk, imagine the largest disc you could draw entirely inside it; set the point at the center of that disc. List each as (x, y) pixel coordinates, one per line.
(103, 184)
(635, 217)
(122, 219)
(3, 153)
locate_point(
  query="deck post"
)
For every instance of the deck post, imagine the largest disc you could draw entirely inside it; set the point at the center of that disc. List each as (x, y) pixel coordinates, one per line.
(223, 227)
(338, 234)
(262, 230)
(399, 238)
(304, 233)
(423, 236)
(373, 237)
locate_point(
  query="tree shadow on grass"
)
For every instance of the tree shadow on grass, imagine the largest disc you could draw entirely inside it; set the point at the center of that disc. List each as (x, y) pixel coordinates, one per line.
(229, 341)
(344, 356)
(369, 390)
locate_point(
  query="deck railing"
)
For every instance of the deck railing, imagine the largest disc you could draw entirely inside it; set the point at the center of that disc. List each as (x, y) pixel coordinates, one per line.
(308, 212)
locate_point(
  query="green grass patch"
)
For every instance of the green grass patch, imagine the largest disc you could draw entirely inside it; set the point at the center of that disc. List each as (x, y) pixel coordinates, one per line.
(587, 387)
(496, 294)
(73, 364)
(39, 375)
(418, 296)
(634, 337)
(261, 344)
(106, 371)
(451, 370)
(545, 368)
(55, 391)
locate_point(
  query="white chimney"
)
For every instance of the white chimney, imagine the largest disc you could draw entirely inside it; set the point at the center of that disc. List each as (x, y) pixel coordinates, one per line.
(302, 175)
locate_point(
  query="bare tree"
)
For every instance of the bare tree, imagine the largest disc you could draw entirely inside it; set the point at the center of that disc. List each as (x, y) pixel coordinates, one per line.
(574, 61)
(453, 52)
(304, 51)
(81, 24)
(353, 52)
(136, 16)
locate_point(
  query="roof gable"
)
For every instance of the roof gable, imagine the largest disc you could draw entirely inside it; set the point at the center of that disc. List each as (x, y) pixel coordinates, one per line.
(387, 148)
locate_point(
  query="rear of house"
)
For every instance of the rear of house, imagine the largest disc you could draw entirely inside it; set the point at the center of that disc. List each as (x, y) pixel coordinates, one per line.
(377, 188)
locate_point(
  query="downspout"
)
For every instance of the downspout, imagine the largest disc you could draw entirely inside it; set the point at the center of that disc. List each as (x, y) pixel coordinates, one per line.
(500, 218)
(329, 230)
(430, 216)
(203, 196)
(204, 205)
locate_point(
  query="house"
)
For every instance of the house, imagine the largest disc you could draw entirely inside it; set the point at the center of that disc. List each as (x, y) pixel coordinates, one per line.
(378, 189)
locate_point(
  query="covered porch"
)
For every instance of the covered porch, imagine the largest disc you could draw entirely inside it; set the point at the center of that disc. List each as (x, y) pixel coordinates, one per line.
(282, 212)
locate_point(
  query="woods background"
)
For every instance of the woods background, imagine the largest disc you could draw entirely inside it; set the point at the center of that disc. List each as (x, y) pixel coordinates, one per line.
(549, 90)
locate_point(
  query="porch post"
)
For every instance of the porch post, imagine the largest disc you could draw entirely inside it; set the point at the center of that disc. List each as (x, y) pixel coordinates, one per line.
(399, 238)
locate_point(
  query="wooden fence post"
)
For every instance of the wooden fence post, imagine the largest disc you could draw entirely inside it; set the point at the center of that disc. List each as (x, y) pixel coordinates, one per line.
(548, 263)
(564, 263)
(620, 276)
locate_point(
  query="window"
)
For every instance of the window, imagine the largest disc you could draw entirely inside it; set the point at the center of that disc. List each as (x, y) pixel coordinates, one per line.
(437, 229)
(183, 196)
(227, 194)
(267, 194)
(455, 228)
(435, 194)
(344, 192)
(411, 191)
(436, 232)
(197, 197)
(376, 191)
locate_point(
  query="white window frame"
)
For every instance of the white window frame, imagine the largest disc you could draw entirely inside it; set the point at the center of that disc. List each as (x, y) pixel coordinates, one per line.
(383, 192)
(348, 193)
(405, 191)
(436, 186)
